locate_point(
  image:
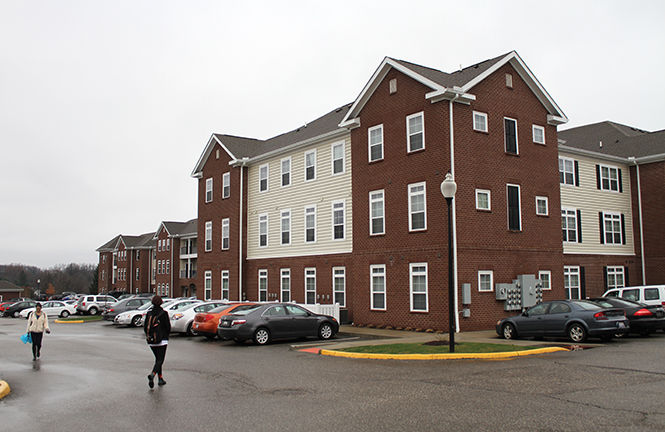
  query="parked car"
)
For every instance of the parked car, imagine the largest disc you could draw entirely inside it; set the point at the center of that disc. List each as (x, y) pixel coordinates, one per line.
(53, 308)
(93, 304)
(181, 321)
(266, 322)
(5, 305)
(644, 319)
(651, 294)
(575, 319)
(205, 324)
(130, 303)
(15, 309)
(132, 317)
(172, 307)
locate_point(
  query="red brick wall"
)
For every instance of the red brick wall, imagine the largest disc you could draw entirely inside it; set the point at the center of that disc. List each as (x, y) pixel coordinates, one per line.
(121, 285)
(169, 255)
(105, 283)
(143, 264)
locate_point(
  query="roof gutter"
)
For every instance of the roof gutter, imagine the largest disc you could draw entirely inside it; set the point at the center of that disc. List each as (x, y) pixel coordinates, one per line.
(639, 209)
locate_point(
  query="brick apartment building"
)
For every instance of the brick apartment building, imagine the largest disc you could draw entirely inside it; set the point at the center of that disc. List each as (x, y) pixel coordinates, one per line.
(125, 264)
(176, 258)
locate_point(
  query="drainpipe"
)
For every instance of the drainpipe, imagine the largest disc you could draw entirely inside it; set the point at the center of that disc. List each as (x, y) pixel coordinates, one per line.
(242, 164)
(639, 209)
(172, 265)
(452, 171)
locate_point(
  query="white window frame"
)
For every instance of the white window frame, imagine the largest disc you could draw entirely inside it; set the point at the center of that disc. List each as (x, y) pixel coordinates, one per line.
(263, 276)
(374, 198)
(568, 272)
(608, 177)
(409, 148)
(562, 169)
(378, 270)
(266, 178)
(167, 265)
(370, 144)
(159, 247)
(612, 218)
(263, 219)
(225, 278)
(613, 272)
(413, 273)
(310, 274)
(569, 213)
(341, 144)
(489, 199)
(535, 128)
(481, 274)
(226, 227)
(476, 124)
(310, 211)
(339, 273)
(284, 275)
(283, 172)
(208, 236)
(209, 190)
(284, 215)
(313, 166)
(519, 203)
(547, 205)
(412, 194)
(547, 273)
(517, 141)
(226, 185)
(207, 285)
(336, 208)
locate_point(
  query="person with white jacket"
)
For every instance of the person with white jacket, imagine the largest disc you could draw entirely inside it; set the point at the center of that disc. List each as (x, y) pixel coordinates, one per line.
(37, 325)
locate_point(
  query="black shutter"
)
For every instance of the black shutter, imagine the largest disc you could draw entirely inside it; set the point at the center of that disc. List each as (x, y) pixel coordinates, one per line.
(513, 208)
(579, 226)
(597, 176)
(620, 185)
(582, 283)
(605, 277)
(511, 135)
(625, 276)
(623, 229)
(577, 173)
(602, 228)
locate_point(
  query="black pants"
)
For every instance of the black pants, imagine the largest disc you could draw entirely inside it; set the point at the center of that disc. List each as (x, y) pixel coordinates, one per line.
(36, 343)
(160, 354)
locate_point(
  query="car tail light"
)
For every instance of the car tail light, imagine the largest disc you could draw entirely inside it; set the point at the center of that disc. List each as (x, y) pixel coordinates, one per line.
(600, 316)
(643, 312)
(238, 321)
(208, 317)
(110, 310)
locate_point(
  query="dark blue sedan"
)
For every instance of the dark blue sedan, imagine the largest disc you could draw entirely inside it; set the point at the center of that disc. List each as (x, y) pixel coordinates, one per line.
(575, 319)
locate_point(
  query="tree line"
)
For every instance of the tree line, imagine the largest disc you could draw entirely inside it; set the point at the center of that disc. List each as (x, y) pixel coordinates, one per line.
(79, 278)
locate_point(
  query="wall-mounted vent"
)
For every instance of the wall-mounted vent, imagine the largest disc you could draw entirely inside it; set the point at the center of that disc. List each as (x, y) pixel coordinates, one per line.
(393, 86)
(509, 80)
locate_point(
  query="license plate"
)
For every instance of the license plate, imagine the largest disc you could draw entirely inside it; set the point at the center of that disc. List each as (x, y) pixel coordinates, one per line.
(621, 325)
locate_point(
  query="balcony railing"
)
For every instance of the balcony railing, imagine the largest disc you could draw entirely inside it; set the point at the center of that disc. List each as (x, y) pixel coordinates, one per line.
(184, 250)
(184, 274)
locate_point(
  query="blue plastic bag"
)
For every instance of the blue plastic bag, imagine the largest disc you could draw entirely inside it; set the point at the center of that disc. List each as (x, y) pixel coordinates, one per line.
(26, 338)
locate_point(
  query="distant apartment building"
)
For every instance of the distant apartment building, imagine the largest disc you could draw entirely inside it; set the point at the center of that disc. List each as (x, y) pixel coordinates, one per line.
(176, 258)
(125, 264)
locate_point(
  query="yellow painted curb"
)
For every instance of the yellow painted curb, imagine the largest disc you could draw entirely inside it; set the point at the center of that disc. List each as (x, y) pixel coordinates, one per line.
(69, 322)
(4, 389)
(453, 356)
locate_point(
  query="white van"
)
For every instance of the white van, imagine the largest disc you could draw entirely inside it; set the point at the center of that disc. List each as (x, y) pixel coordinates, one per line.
(650, 294)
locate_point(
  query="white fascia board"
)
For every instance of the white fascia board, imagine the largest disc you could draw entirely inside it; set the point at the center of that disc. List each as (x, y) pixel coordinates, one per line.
(198, 169)
(553, 120)
(351, 124)
(294, 146)
(456, 94)
(592, 154)
(161, 225)
(650, 158)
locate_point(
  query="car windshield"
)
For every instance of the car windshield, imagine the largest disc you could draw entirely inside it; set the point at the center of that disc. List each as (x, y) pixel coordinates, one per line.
(604, 303)
(245, 310)
(587, 305)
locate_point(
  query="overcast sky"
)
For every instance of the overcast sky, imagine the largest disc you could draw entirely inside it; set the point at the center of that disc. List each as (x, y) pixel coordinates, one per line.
(105, 106)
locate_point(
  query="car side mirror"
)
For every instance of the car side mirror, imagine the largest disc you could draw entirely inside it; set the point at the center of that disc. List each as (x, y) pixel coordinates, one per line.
(525, 313)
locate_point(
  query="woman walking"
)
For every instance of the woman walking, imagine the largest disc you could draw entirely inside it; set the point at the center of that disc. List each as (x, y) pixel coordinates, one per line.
(37, 325)
(157, 328)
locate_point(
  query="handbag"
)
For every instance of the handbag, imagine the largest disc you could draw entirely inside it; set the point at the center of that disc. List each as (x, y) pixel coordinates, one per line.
(26, 338)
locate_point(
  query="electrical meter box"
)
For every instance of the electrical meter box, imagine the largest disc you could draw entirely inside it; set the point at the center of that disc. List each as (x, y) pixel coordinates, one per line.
(532, 293)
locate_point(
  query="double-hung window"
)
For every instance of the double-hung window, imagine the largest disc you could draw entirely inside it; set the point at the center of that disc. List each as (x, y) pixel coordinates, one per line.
(510, 134)
(310, 224)
(483, 199)
(569, 225)
(226, 185)
(609, 178)
(338, 158)
(285, 285)
(615, 277)
(168, 263)
(137, 274)
(415, 132)
(571, 282)
(417, 207)
(538, 133)
(225, 233)
(310, 165)
(612, 228)
(209, 190)
(208, 236)
(225, 284)
(207, 284)
(338, 220)
(485, 280)
(310, 285)
(542, 206)
(339, 285)
(514, 210)
(285, 227)
(263, 285)
(545, 277)
(418, 287)
(479, 121)
(376, 213)
(567, 172)
(263, 178)
(286, 171)
(378, 286)
(263, 230)
(375, 143)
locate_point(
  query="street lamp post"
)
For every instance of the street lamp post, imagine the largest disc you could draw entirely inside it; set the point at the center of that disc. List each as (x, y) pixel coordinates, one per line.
(448, 189)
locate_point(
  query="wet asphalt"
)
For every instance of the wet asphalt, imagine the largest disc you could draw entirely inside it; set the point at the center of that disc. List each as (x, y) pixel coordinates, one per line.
(93, 377)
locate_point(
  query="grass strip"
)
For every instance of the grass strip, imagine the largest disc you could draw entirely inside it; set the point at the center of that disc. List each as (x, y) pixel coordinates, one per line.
(418, 348)
(82, 318)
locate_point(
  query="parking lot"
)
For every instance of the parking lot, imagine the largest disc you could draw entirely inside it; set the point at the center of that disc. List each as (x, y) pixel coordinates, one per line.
(94, 374)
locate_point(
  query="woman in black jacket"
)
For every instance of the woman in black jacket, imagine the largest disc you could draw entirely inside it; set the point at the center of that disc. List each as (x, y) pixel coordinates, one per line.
(157, 327)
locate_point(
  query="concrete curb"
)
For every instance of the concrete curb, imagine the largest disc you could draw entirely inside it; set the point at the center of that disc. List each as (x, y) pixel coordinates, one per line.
(454, 356)
(69, 321)
(4, 389)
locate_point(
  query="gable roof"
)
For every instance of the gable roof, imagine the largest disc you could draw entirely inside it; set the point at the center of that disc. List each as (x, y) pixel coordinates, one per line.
(455, 86)
(109, 246)
(617, 140)
(143, 241)
(6, 286)
(178, 229)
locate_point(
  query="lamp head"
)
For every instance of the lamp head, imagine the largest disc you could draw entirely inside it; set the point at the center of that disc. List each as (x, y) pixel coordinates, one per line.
(448, 187)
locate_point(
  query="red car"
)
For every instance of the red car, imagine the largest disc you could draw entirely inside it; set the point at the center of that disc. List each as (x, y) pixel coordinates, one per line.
(5, 305)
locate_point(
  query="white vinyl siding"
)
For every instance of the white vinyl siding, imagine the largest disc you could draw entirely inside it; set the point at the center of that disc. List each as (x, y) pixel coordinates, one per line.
(418, 287)
(377, 287)
(417, 207)
(377, 223)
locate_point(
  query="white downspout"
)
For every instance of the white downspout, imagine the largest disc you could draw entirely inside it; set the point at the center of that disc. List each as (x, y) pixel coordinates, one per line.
(639, 209)
(240, 230)
(452, 172)
(172, 266)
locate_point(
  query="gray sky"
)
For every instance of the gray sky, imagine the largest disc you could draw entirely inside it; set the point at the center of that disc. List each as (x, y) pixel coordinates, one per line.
(105, 106)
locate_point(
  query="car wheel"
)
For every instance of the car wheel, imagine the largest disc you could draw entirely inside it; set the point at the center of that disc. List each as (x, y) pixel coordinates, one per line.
(17, 314)
(136, 320)
(577, 333)
(64, 314)
(189, 331)
(325, 331)
(509, 331)
(93, 311)
(261, 336)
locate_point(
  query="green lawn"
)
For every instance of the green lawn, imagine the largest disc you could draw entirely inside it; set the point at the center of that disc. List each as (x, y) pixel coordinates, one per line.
(416, 348)
(81, 318)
